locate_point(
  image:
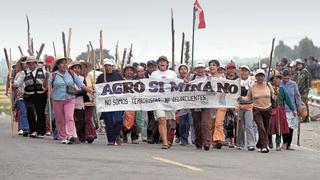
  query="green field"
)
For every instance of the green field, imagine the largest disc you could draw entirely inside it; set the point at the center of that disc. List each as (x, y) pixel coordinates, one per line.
(4, 101)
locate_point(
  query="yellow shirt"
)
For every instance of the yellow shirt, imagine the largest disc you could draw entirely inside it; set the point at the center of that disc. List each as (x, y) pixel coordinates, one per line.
(260, 95)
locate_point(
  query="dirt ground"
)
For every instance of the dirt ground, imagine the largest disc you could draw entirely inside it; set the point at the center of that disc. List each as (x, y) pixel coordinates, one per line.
(310, 135)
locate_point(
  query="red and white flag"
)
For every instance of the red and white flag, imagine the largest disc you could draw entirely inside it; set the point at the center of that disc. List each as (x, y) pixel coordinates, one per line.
(199, 15)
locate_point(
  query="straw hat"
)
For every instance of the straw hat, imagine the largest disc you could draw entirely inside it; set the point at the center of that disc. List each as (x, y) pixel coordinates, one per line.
(274, 73)
(20, 61)
(86, 64)
(58, 60)
(31, 59)
(73, 63)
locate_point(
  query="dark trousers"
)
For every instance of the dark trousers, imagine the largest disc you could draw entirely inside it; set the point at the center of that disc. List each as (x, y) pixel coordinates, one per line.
(79, 121)
(202, 121)
(113, 121)
(36, 105)
(287, 138)
(184, 128)
(262, 119)
(152, 129)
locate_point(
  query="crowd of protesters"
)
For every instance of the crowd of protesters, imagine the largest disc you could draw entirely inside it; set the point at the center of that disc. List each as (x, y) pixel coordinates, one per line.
(272, 102)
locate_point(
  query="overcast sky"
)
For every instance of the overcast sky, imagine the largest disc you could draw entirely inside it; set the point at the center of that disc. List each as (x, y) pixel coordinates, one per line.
(241, 28)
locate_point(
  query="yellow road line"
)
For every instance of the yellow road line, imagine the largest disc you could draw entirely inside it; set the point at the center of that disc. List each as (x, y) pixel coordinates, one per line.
(177, 164)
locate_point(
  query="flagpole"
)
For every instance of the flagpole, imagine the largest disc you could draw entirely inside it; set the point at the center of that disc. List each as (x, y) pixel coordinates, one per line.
(193, 27)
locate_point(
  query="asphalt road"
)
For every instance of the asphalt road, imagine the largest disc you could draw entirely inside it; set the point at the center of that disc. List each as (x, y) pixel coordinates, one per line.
(44, 159)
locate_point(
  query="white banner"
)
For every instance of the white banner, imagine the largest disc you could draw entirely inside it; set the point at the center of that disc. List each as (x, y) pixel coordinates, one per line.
(149, 94)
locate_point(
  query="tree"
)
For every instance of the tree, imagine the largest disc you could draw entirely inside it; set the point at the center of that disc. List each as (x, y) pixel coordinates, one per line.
(106, 54)
(307, 48)
(282, 50)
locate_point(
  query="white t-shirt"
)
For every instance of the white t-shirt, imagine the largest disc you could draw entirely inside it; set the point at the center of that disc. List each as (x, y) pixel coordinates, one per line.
(168, 74)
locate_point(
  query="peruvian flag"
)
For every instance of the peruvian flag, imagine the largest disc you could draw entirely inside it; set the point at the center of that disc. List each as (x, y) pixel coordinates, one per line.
(199, 15)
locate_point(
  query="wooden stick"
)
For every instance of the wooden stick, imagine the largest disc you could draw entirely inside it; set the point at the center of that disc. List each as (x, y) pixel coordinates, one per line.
(101, 57)
(172, 34)
(10, 87)
(94, 62)
(49, 102)
(130, 55)
(270, 62)
(69, 42)
(7, 57)
(29, 36)
(299, 130)
(123, 58)
(32, 48)
(88, 53)
(182, 48)
(64, 44)
(21, 53)
(40, 51)
(117, 55)
(54, 49)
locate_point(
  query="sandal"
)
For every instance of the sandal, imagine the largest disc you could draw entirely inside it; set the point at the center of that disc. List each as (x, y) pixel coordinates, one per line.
(165, 147)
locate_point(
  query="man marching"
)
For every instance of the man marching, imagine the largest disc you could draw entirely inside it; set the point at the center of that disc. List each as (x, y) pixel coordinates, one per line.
(35, 96)
(162, 116)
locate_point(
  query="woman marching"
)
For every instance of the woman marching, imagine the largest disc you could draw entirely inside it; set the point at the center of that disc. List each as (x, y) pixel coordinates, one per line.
(260, 93)
(63, 96)
(279, 124)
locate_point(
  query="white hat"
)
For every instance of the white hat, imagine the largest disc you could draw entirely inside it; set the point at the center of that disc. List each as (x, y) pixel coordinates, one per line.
(31, 59)
(200, 64)
(293, 63)
(140, 68)
(107, 61)
(260, 71)
(245, 67)
(264, 66)
(299, 61)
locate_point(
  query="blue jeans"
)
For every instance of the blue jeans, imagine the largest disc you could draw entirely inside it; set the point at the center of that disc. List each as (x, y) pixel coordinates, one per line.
(24, 125)
(185, 122)
(113, 121)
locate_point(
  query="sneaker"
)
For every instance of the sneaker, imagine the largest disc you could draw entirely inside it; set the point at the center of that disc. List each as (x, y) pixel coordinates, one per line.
(135, 141)
(71, 139)
(25, 133)
(264, 150)
(177, 140)
(206, 147)
(198, 146)
(34, 135)
(251, 148)
(48, 134)
(64, 141)
(165, 146)
(290, 148)
(90, 139)
(41, 136)
(20, 132)
(218, 145)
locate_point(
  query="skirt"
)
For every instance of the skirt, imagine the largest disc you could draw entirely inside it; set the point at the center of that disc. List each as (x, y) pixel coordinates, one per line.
(278, 112)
